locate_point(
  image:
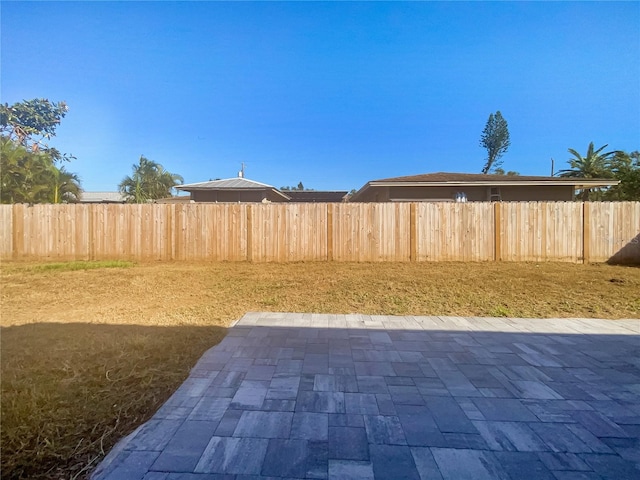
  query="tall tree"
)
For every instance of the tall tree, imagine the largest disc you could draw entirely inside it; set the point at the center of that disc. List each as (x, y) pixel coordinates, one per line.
(148, 182)
(593, 165)
(495, 139)
(626, 168)
(31, 123)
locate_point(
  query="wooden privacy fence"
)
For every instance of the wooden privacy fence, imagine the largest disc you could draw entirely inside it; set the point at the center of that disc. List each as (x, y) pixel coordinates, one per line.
(522, 231)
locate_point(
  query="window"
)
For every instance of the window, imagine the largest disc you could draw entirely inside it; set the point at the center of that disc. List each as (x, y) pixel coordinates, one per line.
(494, 194)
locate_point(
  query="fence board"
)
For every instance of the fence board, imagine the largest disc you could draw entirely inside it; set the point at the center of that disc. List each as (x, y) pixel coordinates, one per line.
(371, 232)
(455, 231)
(614, 232)
(541, 231)
(290, 232)
(49, 231)
(205, 231)
(6, 231)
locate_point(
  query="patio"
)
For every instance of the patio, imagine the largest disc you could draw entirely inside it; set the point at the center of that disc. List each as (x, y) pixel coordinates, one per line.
(361, 397)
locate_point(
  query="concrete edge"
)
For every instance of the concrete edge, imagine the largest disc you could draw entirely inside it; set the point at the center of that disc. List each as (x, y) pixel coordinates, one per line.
(103, 467)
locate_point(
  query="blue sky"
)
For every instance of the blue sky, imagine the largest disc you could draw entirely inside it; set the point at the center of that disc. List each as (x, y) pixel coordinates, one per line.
(332, 94)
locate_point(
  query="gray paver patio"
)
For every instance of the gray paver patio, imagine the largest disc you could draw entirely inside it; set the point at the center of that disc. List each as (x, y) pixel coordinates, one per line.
(360, 397)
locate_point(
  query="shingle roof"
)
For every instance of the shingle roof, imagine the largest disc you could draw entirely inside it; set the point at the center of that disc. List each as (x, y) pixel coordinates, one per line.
(315, 196)
(237, 183)
(443, 177)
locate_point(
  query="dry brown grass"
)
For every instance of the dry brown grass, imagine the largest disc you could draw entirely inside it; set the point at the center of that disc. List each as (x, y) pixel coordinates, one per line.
(88, 354)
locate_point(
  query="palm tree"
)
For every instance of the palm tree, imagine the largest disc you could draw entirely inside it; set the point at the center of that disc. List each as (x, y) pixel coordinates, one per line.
(593, 165)
(149, 181)
(33, 177)
(65, 186)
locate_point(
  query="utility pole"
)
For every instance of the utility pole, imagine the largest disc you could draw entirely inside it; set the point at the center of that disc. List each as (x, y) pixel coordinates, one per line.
(552, 166)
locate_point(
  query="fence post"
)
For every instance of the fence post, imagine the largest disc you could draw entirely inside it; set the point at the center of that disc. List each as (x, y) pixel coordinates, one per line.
(413, 233)
(329, 232)
(249, 234)
(497, 233)
(586, 221)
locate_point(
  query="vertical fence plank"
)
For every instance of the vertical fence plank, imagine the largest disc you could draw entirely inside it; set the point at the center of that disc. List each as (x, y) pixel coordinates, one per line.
(6, 231)
(586, 228)
(18, 231)
(178, 222)
(329, 232)
(497, 231)
(413, 233)
(249, 233)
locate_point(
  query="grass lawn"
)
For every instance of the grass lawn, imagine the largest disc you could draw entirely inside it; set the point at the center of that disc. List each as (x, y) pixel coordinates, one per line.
(91, 350)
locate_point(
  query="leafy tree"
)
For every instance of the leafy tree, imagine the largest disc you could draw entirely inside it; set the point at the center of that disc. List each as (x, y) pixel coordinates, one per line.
(500, 171)
(29, 170)
(33, 177)
(495, 139)
(149, 181)
(30, 122)
(593, 165)
(21, 174)
(626, 168)
(299, 188)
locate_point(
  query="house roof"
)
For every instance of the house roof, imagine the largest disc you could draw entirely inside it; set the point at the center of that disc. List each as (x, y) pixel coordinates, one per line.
(174, 199)
(479, 179)
(237, 183)
(316, 196)
(445, 178)
(230, 184)
(101, 197)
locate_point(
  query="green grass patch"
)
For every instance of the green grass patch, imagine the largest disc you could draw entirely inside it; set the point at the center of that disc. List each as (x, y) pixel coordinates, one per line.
(82, 265)
(500, 311)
